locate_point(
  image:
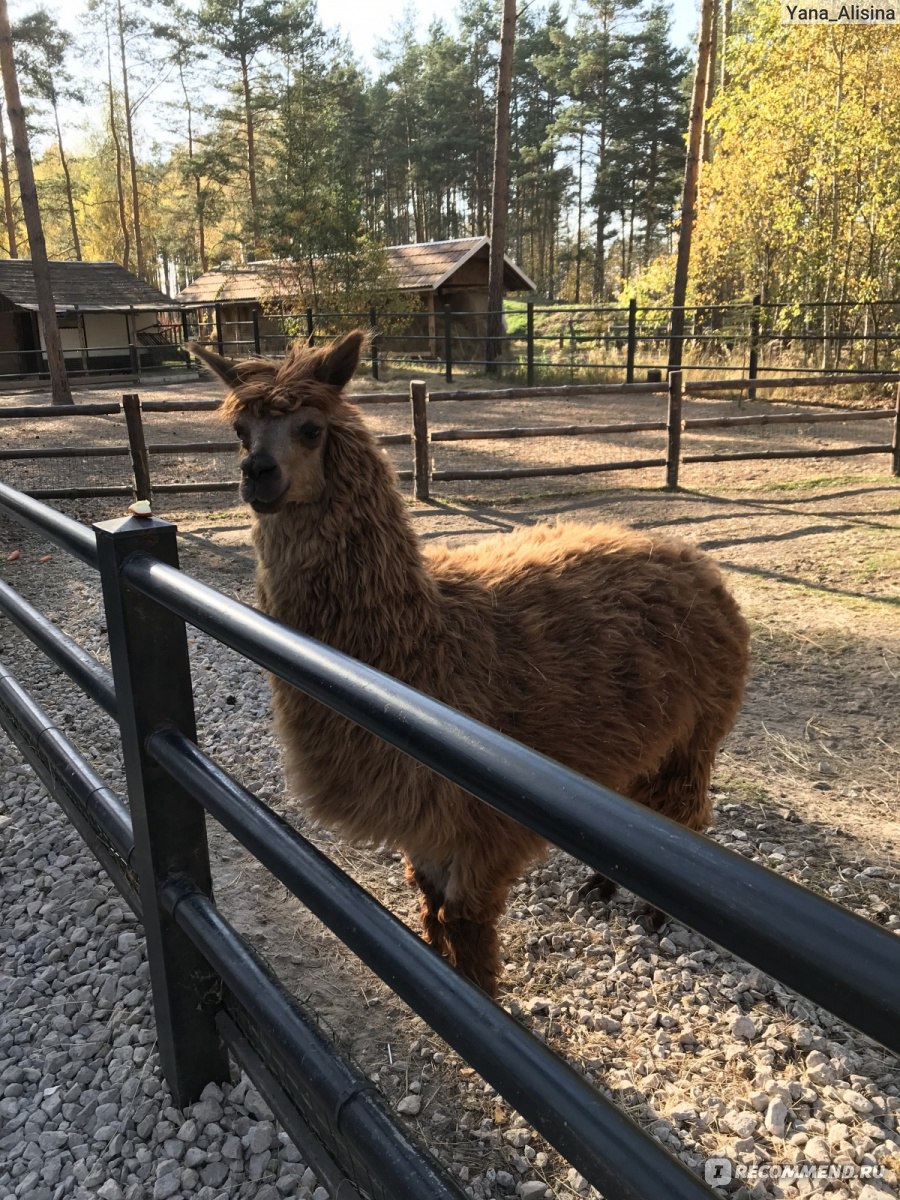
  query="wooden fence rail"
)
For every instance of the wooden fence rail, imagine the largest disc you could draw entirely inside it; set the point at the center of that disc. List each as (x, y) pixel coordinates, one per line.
(424, 473)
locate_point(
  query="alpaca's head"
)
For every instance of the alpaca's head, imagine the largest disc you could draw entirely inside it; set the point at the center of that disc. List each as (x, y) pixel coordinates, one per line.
(281, 412)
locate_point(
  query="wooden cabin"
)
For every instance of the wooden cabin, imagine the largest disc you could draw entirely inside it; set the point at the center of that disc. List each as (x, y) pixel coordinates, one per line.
(109, 320)
(240, 307)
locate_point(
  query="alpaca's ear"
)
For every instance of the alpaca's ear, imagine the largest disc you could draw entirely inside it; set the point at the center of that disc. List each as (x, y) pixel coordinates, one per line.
(339, 360)
(223, 367)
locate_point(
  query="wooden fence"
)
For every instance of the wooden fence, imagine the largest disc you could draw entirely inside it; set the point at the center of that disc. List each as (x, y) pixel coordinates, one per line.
(423, 472)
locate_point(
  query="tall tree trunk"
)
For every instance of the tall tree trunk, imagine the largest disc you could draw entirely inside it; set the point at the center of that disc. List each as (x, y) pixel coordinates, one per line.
(59, 380)
(691, 181)
(708, 146)
(132, 161)
(199, 203)
(70, 199)
(500, 198)
(579, 237)
(7, 192)
(251, 153)
(114, 134)
(726, 33)
(650, 201)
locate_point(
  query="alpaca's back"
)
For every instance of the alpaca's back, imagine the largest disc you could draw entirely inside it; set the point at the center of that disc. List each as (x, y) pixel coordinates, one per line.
(603, 648)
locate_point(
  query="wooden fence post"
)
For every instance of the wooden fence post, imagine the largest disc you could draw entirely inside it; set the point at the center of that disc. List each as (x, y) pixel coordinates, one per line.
(373, 320)
(310, 328)
(256, 341)
(448, 345)
(753, 360)
(630, 352)
(152, 675)
(895, 444)
(140, 460)
(418, 396)
(673, 431)
(529, 346)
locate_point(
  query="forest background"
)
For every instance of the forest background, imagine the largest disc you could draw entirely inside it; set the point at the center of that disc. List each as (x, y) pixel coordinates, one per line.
(232, 132)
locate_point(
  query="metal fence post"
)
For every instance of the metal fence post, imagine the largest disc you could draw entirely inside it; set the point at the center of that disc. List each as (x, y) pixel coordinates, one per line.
(630, 353)
(220, 339)
(448, 345)
(673, 431)
(310, 328)
(152, 676)
(140, 460)
(373, 319)
(418, 396)
(529, 346)
(753, 360)
(895, 443)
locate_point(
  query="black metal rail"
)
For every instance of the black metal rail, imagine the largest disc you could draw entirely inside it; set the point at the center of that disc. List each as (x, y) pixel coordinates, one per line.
(99, 815)
(807, 942)
(93, 678)
(842, 962)
(72, 536)
(587, 1129)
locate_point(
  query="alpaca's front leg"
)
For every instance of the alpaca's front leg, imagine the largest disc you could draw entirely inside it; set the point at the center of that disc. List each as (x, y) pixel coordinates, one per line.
(431, 880)
(472, 943)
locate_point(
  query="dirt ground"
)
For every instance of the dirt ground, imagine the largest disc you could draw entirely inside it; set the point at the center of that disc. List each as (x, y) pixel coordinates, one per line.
(809, 779)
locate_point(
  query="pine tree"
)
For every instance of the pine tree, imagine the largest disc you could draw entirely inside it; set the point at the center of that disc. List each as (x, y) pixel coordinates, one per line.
(42, 48)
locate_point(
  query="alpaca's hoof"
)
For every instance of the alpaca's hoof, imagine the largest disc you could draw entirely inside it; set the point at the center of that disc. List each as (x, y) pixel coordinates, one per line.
(651, 917)
(597, 887)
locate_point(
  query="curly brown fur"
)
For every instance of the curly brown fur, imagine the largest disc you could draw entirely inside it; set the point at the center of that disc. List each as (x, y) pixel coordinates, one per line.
(620, 654)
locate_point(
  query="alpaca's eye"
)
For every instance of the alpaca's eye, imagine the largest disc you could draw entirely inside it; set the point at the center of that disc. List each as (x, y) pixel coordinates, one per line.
(310, 431)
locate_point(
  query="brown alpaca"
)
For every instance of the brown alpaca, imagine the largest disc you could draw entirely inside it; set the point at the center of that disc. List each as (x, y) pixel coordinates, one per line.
(619, 654)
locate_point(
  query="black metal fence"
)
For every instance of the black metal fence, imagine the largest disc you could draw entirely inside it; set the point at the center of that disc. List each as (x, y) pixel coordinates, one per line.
(622, 341)
(213, 994)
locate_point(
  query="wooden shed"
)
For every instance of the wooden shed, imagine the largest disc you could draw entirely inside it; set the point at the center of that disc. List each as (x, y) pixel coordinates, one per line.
(109, 319)
(451, 275)
(237, 305)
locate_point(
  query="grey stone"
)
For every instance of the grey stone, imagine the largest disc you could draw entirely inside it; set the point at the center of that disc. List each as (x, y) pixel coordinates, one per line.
(260, 1137)
(214, 1174)
(166, 1186)
(776, 1117)
(535, 1189)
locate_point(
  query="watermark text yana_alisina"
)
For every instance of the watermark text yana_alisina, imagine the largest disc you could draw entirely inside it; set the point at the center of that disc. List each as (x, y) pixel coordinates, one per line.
(839, 14)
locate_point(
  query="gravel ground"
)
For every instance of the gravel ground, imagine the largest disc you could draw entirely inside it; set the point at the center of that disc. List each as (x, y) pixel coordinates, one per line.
(84, 1111)
(709, 1055)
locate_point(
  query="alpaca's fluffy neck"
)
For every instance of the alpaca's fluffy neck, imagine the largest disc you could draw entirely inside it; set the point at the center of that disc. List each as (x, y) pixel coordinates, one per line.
(347, 570)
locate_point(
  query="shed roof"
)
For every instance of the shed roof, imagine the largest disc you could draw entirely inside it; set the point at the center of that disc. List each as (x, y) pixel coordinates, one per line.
(248, 281)
(90, 286)
(417, 267)
(426, 266)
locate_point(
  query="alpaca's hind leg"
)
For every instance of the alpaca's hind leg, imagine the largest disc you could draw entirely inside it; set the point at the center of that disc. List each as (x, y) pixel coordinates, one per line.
(679, 789)
(431, 881)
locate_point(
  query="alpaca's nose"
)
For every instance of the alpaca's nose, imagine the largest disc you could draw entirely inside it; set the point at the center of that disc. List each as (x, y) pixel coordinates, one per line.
(257, 466)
